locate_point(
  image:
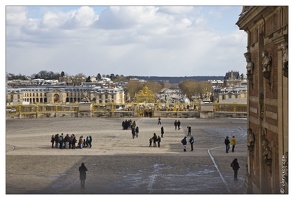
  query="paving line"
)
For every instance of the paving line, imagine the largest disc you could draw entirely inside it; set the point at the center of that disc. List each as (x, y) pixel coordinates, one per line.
(215, 165)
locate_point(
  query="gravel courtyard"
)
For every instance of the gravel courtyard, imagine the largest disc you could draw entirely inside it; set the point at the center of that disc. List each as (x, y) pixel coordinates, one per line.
(119, 164)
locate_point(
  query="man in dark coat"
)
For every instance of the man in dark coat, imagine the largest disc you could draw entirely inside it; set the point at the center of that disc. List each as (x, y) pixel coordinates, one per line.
(82, 170)
(162, 131)
(189, 130)
(191, 140)
(158, 141)
(184, 142)
(227, 143)
(235, 166)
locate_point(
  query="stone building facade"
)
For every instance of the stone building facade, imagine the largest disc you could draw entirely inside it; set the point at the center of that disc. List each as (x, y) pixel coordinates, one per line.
(64, 94)
(267, 111)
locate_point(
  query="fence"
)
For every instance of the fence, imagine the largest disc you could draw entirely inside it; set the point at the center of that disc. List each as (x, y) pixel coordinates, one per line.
(136, 108)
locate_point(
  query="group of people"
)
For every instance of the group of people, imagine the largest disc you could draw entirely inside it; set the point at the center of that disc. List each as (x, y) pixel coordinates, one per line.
(155, 139)
(228, 142)
(135, 131)
(126, 124)
(184, 142)
(235, 165)
(177, 124)
(70, 142)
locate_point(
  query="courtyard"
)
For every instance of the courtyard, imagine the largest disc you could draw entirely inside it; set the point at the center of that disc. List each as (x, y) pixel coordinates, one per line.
(119, 164)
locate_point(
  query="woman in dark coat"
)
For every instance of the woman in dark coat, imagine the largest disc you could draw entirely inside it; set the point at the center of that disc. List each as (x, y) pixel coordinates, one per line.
(83, 170)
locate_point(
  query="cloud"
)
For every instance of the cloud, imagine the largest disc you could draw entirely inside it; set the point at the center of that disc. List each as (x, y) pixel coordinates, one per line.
(129, 40)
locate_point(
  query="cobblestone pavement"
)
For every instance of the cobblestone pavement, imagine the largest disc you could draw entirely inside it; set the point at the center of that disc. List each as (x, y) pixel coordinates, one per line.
(119, 164)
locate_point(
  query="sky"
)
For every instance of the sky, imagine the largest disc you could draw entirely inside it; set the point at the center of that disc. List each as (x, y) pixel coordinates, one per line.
(145, 40)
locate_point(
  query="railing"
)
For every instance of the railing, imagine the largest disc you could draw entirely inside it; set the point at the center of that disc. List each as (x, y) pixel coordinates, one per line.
(111, 107)
(233, 107)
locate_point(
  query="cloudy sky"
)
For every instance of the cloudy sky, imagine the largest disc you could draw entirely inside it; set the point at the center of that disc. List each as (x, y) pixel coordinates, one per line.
(125, 40)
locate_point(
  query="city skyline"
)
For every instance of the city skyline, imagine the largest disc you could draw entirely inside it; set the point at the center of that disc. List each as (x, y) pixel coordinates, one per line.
(125, 40)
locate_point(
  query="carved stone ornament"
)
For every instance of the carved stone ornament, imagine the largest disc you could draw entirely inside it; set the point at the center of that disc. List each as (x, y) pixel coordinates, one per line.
(250, 139)
(261, 105)
(284, 46)
(267, 154)
(249, 67)
(267, 66)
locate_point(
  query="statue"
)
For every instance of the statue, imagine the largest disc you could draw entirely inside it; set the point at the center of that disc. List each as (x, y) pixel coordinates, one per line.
(85, 98)
(266, 61)
(284, 46)
(267, 154)
(250, 139)
(267, 64)
(249, 67)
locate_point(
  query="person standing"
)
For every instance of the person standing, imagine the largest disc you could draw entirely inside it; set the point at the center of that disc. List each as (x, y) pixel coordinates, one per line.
(162, 131)
(52, 140)
(158, 141)
(159, 121)
(133, 132)
(179, 125)
(184, 142)
(227, 143)
(82, 170)
(90, 141)
(61, 141)
(56, 140)
(191, 140)
(66, 141)
(80, 142)
(233, 143)
(235, 166)
(154, 138)
(189, 130)
(137, 131)
(176, 124)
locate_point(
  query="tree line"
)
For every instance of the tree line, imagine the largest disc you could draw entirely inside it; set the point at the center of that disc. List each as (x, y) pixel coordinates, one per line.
(189, 87)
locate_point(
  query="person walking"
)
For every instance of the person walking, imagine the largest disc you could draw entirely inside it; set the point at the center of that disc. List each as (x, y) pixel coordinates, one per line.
(158, 141)
(235, 166)
(159, 121)
(191, 140)
(82, 170)
(189, 130)
(233, 143)
(184, 142)
(227, 143)
(162, 131)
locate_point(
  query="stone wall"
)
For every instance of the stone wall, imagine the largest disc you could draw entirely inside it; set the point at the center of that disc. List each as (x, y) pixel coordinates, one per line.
(128, 114)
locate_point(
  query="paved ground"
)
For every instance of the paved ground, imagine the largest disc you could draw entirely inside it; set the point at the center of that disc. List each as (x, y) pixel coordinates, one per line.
(118, 164)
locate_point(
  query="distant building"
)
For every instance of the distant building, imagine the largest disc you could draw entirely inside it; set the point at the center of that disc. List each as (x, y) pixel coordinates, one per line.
(233, 89)
(232, 79)
(63, 94)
